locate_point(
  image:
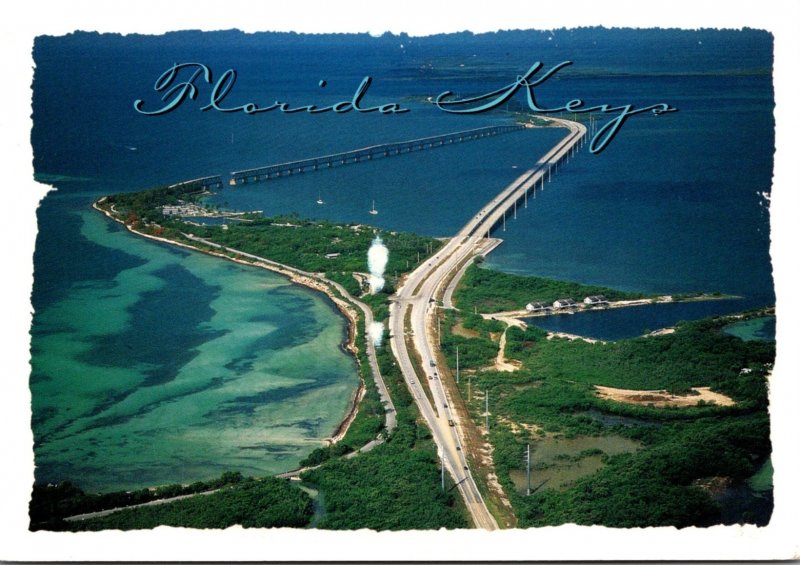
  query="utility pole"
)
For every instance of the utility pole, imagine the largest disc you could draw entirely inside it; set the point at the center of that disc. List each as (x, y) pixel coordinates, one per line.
(456, 364)
(469, 388)
(439, 327)
(528, 460)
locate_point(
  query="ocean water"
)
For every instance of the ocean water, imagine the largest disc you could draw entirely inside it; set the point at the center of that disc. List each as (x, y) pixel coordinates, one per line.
(622, 323)
(675, 204)
(181, 366)
(155, 365)
(756, 329)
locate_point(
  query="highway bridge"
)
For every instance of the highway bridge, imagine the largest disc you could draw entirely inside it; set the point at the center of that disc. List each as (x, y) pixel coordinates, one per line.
(366, 154)
(414, 309)
(202, 183)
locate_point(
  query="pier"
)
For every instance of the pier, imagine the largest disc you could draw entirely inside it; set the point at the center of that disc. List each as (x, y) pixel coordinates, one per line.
(366, 154)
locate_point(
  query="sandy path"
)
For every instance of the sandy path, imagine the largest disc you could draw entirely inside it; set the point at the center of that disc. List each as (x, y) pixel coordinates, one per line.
(573, 337)
(662, 398)
(500, 363)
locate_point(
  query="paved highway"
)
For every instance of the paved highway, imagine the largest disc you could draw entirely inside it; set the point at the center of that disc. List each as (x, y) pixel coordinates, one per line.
(413, 312)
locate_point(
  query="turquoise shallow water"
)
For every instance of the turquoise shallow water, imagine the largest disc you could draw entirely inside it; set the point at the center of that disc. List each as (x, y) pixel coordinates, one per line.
(756, 329)
(182, 367)
(153, 365)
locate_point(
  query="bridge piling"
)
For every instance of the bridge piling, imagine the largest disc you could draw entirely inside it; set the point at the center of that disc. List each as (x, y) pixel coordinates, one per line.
(366, 154)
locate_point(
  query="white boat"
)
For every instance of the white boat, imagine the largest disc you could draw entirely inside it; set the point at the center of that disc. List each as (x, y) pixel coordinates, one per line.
(374, 212)
(319, 199)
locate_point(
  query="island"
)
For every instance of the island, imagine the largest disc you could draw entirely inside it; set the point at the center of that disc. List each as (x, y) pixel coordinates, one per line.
(467, 416)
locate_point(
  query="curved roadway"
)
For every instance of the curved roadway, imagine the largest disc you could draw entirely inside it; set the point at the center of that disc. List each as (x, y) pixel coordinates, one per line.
(416, 298)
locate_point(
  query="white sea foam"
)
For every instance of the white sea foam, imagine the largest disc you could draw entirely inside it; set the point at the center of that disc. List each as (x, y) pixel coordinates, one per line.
(375, 331)
(377, 257)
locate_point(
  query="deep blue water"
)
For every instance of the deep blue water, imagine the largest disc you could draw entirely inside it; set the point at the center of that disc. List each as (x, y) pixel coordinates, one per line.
(673, 204)
(622, 323)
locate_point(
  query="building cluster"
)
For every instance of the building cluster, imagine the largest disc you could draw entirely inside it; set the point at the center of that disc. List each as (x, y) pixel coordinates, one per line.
(566, 304)
(183, 209)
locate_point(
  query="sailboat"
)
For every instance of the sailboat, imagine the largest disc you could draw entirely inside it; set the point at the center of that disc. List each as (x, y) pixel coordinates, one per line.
(319, 199)
(374, 212)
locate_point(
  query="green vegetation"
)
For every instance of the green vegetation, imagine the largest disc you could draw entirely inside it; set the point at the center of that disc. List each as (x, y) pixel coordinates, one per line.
(698, 354)
(761, 481)
(264, 503)
(51, 503)
(396, 486)
(378, 303)
(555, 387)
(553, 395)
(345, 279)
(370, 419)
(310, 245)
(652, 487)
(322, 454)
(145, 206)
(525, 118)
(473, 352)
(492, 291)
(316, 245)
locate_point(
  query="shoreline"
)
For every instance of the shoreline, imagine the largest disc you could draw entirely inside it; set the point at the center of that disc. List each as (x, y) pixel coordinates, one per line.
(517, 317)
(308, 280)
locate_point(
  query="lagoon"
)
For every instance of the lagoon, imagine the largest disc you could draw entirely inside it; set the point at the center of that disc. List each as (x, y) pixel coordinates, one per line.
(154, 365)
